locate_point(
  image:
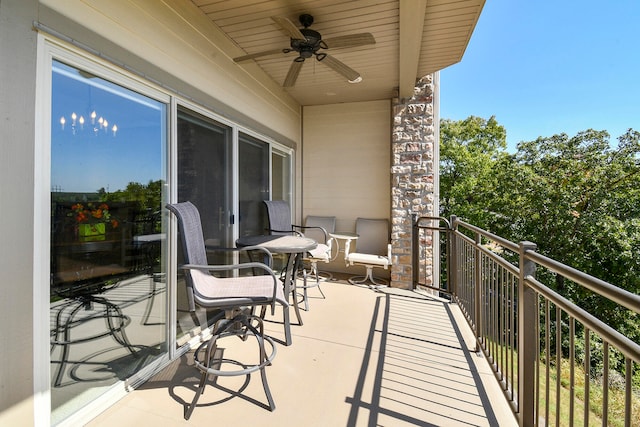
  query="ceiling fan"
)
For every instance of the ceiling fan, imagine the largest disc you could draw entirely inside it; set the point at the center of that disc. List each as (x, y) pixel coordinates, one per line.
(307, 43)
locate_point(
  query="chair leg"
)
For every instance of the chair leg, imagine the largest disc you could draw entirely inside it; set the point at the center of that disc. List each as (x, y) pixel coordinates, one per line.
(209, 355)
(147, 311)
(203, 378)
(66, 340)
(189, 409)
(317, 274)
(321, 293)
(286, 319)
(305, 295)
(227, 327)
(294, 293)
(368, 277)
(313, 274)
(122, 339)
(263, 361)
(116, 330)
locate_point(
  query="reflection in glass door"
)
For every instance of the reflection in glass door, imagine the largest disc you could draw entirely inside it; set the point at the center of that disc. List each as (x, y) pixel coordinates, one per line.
(204, 179)
(253, 172)
(108, 288)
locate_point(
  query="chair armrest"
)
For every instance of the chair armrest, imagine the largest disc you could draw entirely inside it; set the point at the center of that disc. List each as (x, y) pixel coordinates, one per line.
(314, 227)
(297, 233)
(228, 267)
(389, 251)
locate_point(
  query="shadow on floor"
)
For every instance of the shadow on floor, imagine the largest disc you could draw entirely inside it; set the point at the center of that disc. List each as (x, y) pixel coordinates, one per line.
(422, 364)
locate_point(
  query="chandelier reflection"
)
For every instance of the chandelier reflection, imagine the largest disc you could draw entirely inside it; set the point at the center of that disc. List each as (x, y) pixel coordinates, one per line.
(98, 124)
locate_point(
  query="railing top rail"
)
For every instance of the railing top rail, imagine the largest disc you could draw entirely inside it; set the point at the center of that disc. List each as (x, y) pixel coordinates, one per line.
(624, 344)
(418, 222)
(501, 261)
(614, 293)
(500, 240)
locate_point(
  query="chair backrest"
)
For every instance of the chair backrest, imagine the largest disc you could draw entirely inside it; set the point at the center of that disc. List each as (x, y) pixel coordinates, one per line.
(373, 236)
(193, 248)
(326, 222)
(279, 214)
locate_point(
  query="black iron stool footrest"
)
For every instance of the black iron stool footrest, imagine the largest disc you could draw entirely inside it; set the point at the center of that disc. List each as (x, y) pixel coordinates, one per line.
(226, 328)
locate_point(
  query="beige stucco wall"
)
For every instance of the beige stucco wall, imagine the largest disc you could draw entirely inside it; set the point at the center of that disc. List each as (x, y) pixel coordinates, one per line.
(17, 109)
(346, 161)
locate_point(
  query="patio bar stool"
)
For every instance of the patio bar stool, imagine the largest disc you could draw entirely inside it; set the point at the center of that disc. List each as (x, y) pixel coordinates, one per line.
(234, 296)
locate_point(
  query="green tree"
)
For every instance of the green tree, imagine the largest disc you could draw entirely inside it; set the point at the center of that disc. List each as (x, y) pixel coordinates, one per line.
(148, 196)
(579, 200)
(470, 149)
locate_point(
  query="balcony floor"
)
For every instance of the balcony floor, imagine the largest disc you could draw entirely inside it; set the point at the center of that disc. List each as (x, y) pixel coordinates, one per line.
(362, 358)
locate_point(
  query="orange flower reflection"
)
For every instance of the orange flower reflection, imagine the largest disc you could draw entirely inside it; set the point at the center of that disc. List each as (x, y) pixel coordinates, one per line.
(93, 214)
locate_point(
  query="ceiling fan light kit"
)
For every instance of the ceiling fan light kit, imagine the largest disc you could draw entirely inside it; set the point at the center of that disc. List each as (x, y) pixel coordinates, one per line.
(307, 43)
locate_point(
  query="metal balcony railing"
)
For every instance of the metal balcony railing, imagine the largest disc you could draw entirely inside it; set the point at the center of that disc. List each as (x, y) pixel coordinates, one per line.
(556, 363)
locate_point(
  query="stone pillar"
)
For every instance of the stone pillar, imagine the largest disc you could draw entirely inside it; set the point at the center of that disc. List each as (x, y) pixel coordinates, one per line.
(412, 187)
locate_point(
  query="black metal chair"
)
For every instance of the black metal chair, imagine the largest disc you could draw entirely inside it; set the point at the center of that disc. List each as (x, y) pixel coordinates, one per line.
(279, 215)
(232, 295)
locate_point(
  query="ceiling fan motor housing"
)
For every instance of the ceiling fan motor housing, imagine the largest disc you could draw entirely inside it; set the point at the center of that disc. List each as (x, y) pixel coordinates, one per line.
(310, 45)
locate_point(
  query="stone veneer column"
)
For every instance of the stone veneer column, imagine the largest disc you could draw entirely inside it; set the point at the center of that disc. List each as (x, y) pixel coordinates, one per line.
(412, 187)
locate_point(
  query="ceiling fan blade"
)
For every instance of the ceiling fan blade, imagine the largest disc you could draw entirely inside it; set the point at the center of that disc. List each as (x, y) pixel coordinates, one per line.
(288, 27)
(293, 73)
(341, 68)
(257, 55)
(351, 40)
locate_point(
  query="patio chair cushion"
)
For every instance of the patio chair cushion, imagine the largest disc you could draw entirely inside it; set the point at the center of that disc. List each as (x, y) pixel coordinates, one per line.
(358, 258)
(213, 292)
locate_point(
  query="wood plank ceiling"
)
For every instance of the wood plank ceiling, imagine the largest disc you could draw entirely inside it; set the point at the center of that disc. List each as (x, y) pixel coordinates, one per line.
(412, 39)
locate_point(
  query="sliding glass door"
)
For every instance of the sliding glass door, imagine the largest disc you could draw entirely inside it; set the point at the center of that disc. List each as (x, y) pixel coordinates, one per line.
(108, 290)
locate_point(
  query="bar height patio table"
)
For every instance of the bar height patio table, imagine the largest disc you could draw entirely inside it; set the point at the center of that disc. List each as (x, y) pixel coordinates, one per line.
(343, 235)
(294, 247)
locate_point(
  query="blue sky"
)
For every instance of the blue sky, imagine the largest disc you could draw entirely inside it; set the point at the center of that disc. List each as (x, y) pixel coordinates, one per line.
(84, 160)
(548, 67)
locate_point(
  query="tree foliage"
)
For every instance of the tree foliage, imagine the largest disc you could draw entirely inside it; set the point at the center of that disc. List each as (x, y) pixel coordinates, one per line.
(577, 198)
(469, 151)
(148, 196)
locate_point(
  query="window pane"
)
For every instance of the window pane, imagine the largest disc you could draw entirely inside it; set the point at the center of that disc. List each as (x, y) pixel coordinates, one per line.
(254, 184)
(204, 179)
(108, 288)
(281, 176)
